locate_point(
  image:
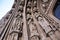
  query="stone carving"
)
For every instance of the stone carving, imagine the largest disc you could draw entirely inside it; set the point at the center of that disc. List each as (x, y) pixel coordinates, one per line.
(45, 5)
(30, 20)
(20, 8)
(22, 2)
(45, 0)
(35, 3)
(52, 22)
(35, 9)
(44, 24)
(17, 27)
(29, 4)
(35, 38)
(28, 17)
(28, 10)
(34, 34)
(52, 35)
(33, 31)
(18, 22)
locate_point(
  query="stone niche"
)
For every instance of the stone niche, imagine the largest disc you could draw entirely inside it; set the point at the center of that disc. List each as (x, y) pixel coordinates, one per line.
(13, 6)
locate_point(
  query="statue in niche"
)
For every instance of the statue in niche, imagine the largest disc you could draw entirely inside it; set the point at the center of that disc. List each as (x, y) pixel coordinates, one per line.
(17, 25)
(16, 29)
(44, 24)
(33, 31)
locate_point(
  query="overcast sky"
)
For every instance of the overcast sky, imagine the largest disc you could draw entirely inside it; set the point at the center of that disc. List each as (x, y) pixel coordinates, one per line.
(5, 6)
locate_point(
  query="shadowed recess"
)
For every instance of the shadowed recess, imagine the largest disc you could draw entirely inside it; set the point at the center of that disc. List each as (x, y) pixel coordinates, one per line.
(57, 9)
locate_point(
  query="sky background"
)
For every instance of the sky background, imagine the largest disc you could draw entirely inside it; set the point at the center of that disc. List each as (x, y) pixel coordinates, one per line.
(5, 6)
(57, 12)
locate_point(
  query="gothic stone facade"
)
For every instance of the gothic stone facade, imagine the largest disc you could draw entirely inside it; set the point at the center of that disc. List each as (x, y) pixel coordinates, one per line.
(30, 20)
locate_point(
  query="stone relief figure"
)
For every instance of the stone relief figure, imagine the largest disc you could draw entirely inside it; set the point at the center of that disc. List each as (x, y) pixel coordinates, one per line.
(40, 19)
(44, 24)
(11, 33)
(17, 28)
(34, 34)
(18, 24)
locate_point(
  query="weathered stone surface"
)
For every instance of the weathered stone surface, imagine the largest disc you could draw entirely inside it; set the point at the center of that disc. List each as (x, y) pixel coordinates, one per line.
(30, 20)
(45, 0)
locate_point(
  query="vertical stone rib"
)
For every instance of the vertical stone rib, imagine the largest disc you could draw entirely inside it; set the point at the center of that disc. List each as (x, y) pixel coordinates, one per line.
(8, 29)
(25, 35)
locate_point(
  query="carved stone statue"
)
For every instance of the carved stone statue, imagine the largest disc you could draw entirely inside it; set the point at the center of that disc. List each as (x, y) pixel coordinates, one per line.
(33, 31)
(31, 20)
(44, 24)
